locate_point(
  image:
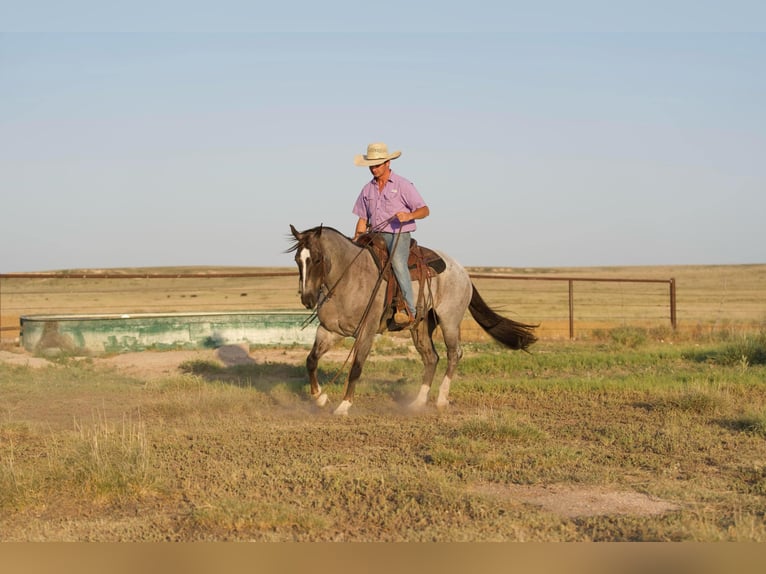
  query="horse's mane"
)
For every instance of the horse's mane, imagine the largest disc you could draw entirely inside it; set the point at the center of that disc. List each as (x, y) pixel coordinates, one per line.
(296, 243)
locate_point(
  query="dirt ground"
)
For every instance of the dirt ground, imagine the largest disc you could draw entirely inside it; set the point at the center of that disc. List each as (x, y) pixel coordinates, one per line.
(564, 500)
(152, 365)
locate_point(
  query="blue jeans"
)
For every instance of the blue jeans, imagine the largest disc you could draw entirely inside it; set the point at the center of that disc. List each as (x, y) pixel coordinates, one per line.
(399, 264)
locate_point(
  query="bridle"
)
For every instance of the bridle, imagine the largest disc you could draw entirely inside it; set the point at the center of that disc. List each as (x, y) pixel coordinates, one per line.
(323, 283)
(330, 289)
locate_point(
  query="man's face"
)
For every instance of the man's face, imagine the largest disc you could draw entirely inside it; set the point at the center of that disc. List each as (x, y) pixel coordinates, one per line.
(378, 171)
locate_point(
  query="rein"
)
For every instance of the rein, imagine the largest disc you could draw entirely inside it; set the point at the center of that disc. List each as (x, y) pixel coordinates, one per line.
(366, 313)
(331, 289)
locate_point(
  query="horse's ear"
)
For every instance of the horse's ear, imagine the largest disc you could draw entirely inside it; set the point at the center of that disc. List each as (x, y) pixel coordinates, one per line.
(295, 232)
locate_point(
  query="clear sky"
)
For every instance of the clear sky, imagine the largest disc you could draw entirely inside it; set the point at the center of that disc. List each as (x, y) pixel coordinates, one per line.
(557, 134)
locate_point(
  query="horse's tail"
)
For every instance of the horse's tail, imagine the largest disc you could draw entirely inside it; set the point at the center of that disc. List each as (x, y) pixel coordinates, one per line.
(514, 335)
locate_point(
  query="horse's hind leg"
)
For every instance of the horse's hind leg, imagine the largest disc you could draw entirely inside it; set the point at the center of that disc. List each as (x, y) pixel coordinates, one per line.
(422, 336)
(323, 342)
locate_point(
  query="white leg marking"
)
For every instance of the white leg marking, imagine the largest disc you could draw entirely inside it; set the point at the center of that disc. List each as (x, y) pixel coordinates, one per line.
(342, 409)
(320, 398)
(421, 400)
(441, 401)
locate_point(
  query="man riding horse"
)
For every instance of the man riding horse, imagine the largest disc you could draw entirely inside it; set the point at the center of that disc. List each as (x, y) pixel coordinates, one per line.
(340, 278)
(389, 204)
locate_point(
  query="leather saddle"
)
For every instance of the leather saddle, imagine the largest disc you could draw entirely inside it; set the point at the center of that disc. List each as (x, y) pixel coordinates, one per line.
(423, 264)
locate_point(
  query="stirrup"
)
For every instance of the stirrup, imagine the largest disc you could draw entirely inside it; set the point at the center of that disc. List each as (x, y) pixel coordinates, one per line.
(403, 318)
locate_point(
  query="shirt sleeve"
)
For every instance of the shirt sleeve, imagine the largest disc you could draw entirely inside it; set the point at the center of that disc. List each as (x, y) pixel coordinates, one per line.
(411, 196)
(360, 206)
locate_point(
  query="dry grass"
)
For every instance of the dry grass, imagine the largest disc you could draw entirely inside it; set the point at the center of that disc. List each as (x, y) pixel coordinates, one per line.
(629, 416)
(584, 441)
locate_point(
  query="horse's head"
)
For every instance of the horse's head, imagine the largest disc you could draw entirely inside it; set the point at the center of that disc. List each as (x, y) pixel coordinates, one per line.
(310, 261)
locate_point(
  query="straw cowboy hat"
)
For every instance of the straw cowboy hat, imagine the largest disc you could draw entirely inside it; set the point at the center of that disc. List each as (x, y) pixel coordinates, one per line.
(377, 153)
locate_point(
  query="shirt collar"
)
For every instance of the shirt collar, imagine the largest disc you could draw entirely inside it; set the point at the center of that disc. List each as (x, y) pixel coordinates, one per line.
(390, 178)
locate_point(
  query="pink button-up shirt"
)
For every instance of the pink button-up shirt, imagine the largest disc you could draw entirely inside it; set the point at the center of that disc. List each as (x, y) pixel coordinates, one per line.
(379, 208)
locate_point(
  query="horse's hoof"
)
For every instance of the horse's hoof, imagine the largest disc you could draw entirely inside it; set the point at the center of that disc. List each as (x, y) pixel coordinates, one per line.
(420, 401)
(442, 405)
(321, 400)
(416, 407)
(342, 409)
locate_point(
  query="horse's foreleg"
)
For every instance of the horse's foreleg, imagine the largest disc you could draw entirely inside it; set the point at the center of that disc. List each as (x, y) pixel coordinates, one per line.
(362, 347)
(323, 342)
(422, 337)
(454, 354)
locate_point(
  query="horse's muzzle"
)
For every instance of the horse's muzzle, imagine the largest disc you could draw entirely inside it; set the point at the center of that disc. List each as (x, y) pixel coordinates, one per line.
(309, 300)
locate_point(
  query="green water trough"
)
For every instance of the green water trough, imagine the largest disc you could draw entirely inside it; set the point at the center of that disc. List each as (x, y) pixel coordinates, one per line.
(98, 334)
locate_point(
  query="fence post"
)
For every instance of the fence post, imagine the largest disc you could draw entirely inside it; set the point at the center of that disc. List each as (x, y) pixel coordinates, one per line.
(571, 309)
(673, 316)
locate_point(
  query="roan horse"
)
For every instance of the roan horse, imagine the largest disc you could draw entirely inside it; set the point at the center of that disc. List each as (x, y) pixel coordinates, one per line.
(339, 277)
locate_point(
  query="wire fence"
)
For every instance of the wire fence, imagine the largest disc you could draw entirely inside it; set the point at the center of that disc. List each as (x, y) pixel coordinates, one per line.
(564, 307)
(587, 303)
